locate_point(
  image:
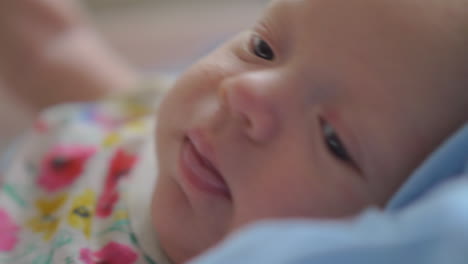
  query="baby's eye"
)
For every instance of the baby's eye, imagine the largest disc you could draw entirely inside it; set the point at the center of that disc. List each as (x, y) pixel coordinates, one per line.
(333, 142)
(261, 48)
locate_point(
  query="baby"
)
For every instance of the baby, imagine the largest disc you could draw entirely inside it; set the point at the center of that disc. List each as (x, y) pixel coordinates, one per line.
(320, 110)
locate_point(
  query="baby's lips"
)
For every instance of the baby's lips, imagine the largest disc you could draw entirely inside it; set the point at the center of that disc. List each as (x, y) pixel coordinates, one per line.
(206, 156)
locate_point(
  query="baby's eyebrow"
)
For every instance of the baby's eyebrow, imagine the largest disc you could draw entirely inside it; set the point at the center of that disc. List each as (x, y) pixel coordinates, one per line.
(276, 12)
(275, 22)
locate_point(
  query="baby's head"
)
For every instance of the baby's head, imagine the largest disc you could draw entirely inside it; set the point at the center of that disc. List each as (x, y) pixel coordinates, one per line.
(321, 109)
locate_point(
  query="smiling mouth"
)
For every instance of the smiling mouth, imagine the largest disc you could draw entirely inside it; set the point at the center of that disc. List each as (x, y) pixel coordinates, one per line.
(200, 172)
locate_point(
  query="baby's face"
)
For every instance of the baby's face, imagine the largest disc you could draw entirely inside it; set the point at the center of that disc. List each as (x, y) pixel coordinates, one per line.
(319, 110)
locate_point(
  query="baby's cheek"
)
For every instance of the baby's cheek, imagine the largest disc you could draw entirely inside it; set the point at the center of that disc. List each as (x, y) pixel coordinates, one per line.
(352, 198)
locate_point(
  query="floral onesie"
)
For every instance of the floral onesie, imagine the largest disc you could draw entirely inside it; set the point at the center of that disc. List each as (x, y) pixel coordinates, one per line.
(78, 186)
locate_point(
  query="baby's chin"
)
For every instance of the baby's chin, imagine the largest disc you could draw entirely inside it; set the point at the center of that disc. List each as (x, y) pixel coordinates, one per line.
(169, 210)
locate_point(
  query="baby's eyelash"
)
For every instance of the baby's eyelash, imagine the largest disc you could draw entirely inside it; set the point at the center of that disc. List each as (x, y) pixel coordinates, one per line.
(260, 48)
(334, 143)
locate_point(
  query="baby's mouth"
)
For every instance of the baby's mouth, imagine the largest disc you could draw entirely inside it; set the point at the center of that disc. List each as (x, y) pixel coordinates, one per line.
(199, 170)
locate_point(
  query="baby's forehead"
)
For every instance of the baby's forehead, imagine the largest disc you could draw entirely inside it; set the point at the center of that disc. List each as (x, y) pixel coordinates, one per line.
(293, 14)
(415, 21)
(418, 10)
(412, 39)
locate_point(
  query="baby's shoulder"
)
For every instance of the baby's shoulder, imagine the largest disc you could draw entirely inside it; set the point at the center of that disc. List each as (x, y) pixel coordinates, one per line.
(108, 115)
(100, 124)
(82, 144)
(69, 175)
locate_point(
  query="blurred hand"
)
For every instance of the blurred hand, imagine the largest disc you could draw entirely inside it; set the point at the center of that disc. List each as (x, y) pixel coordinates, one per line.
(49, 54)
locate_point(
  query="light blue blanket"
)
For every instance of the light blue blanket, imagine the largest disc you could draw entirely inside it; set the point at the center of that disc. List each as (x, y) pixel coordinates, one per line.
(426, 222)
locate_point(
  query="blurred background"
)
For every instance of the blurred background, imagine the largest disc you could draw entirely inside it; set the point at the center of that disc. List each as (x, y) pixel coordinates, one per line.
(154, 36)
(169, 34)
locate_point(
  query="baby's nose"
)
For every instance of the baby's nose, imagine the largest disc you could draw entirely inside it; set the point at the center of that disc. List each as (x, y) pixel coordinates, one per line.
(251, 99)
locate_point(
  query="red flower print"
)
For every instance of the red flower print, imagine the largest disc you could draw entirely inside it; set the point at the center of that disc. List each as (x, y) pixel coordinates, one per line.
(8, 232)
(112, 253)
(106, 203)
(120, 166)
(63, 165)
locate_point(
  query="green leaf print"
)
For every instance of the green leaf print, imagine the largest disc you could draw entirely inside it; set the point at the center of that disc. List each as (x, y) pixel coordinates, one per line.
(63, 238)
(120, 225)
(11, 192)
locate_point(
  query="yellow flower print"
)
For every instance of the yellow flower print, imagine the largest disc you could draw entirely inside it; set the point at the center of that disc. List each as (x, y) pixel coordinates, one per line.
(47, 221)
(133, 108)
(136, 126)
(120, 215)
(81, 213)
(111, 140)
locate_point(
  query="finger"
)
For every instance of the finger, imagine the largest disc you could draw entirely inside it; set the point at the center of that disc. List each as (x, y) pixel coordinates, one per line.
(56, 12)
(56, 15)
